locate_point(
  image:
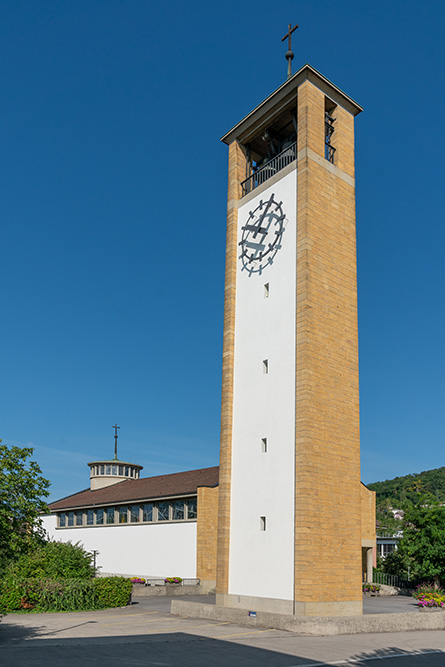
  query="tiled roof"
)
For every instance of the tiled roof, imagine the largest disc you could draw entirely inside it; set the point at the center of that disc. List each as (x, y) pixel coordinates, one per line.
(130, 490)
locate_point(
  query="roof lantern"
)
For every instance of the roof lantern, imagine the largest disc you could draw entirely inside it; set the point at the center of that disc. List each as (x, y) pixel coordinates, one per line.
(107, 472)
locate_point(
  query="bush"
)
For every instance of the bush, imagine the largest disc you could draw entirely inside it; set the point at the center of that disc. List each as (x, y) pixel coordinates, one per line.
(53, 560)
(112, 591)
(63, 594)
(10, 595)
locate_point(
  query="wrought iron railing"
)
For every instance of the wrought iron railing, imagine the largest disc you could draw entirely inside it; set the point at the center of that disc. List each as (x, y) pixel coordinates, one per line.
(390, 580)
(271, 167)
(330, 152)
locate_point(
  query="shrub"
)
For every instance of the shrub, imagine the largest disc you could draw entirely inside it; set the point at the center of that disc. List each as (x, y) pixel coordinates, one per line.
(63, 594)
(53, 560)
(10, 595)
(112, 591)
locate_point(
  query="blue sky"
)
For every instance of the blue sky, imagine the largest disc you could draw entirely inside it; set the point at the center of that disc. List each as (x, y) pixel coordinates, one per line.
(113, 199)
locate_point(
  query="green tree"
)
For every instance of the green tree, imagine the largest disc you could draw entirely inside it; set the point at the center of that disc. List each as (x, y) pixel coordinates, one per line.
(22, 493)
(422, 547)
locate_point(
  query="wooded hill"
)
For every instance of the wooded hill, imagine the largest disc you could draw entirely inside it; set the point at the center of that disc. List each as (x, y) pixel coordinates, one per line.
(402, 491)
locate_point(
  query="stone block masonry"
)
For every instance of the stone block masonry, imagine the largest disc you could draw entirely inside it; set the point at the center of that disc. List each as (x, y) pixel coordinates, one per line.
(327, 466)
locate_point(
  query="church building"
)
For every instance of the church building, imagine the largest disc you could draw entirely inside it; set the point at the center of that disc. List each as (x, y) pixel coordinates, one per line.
(284, 525)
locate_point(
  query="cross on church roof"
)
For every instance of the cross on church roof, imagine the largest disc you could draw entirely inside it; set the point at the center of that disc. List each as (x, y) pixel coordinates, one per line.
(289, 54)
(115, 441)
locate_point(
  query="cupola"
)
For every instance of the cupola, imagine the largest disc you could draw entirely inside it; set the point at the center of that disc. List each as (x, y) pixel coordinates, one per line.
(111, 471)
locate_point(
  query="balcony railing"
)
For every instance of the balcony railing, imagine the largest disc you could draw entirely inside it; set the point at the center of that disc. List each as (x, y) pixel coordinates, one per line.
(271, 167)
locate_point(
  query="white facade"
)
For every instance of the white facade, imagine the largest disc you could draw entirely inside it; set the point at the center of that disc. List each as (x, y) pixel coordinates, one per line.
(151, 551)
(262, 556)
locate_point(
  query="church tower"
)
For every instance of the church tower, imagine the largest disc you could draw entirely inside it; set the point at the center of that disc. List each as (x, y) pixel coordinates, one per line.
(289, 532)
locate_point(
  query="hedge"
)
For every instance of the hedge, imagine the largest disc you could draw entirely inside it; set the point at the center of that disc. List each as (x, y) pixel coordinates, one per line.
(64, 594)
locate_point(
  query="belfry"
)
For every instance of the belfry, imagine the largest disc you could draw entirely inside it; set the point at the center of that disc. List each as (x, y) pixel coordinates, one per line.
(295, 522)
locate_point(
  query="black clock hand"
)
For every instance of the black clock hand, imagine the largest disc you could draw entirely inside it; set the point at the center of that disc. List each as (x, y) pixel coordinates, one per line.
(255, 230)
(265, 213)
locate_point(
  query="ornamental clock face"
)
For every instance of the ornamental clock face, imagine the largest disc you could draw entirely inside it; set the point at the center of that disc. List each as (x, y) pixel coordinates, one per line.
(261, 235)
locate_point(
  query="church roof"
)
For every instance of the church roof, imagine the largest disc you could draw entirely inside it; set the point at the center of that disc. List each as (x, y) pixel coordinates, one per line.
(147, 488)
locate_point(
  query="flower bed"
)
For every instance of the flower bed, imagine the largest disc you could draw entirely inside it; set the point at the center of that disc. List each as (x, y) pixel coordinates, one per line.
(137, 580)
(371, 589)
(429, 597)
(431, 601)
(173, 580)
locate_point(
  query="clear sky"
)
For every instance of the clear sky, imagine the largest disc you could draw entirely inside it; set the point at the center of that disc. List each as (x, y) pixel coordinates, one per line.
(113, 199)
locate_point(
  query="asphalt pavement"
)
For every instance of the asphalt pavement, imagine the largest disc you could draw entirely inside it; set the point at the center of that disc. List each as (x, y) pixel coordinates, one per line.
(145, 633)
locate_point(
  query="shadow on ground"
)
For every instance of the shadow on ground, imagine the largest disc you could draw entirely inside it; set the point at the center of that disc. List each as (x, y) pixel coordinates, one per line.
(180, 650)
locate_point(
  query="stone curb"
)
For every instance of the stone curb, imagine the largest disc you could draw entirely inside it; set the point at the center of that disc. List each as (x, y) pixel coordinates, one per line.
(313, 625)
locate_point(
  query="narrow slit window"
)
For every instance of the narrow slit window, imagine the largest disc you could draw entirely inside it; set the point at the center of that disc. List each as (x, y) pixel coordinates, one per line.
(262, 523)
(264, 445)
(266, 291)
(265, 366)
(329, 129)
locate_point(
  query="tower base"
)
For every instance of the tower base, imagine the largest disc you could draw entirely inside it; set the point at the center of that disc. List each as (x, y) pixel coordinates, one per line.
(289, 607)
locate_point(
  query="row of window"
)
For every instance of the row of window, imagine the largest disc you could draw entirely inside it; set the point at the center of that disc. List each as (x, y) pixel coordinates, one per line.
(176, 510)
(112, 469)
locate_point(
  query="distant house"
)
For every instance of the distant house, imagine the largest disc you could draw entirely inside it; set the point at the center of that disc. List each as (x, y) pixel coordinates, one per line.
(387, 542)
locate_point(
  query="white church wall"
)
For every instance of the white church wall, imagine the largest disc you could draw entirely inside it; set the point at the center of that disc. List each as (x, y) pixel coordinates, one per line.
(156, 550)
(262, 561)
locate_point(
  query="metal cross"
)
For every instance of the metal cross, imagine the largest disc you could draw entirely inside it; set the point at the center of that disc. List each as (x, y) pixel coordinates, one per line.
(290, 53)
(115, 441)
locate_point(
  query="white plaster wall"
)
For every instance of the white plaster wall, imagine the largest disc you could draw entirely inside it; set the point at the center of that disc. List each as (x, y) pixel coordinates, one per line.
(156, 550)
(262, 562)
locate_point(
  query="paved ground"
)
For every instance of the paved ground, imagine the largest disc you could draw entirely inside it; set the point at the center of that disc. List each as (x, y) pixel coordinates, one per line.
(146, 634)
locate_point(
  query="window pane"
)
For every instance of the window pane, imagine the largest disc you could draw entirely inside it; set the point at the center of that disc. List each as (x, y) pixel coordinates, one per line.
(102, 470)
(108, 470)
(127, 471)
(110, 514)
(62, 519)
(192, 509)
(114, 470)
(147, 512)
(178, 510)
(79, 518)
(71, 518)
(90, 517)
(99, 516)
(134, 513)
(123, 515)
(121, 470)
(163, 511)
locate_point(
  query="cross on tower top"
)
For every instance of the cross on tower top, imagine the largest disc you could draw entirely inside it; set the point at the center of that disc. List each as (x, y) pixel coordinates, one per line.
(115, 441)
(289, 54)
